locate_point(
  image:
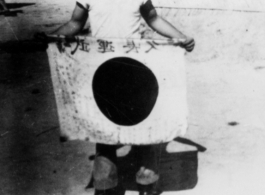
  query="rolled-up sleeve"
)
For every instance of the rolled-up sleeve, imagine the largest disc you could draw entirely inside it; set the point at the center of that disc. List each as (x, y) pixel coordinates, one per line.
(84, 3)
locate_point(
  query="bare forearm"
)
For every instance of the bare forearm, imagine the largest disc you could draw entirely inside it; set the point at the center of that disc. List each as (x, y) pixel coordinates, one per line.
(164, 28)
(76, 23)
(70, 28)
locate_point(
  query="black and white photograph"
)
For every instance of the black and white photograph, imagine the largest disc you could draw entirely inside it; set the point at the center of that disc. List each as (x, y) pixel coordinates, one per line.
(132, 97)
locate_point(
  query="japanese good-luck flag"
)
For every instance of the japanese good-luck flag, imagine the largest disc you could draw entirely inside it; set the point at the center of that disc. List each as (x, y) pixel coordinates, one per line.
(119, 91)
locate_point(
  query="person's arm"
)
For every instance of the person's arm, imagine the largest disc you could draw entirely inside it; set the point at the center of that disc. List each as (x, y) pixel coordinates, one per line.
(76, 23)
(163, 27)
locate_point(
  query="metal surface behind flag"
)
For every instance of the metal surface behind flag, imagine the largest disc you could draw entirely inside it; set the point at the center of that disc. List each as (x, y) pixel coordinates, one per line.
(119, 91)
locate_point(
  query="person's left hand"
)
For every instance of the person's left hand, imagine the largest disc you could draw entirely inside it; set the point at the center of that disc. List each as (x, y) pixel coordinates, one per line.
(188, 43)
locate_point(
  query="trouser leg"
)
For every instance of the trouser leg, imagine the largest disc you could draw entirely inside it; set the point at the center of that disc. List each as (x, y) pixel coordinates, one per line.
(148, 175)
(105, 173)
(148, 156)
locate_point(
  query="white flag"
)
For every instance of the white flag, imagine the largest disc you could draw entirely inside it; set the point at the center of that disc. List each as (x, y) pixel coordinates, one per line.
(118, 91)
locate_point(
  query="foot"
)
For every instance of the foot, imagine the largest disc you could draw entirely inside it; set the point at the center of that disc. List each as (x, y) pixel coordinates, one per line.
(146, 176)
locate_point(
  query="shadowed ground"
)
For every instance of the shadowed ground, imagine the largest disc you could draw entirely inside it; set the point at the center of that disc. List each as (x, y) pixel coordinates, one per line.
(33, 161)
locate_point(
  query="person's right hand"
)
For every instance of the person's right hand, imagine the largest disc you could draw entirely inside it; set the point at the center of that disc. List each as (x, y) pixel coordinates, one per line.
(188, 43)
